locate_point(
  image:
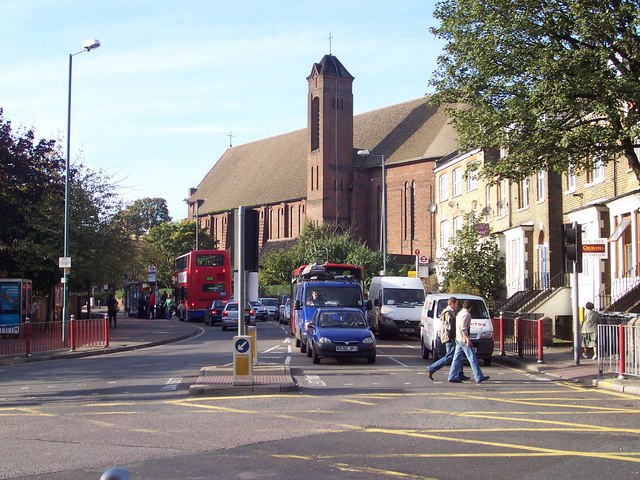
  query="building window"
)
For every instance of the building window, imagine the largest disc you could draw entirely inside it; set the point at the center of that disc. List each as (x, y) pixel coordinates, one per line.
(541, 185)
(457, 182)
(523, 193)
(444, 234)
(595, 174)
(503, 198)
(457, 225)
(444, 187)
(406, 195)
(571, 179)
(315, 124)
(487, 202)
(472, 177)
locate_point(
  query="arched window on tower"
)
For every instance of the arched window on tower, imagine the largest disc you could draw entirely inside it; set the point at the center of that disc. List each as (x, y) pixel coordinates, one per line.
(315, 124)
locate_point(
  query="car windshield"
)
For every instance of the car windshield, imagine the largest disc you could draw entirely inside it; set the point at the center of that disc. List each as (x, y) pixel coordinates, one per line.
(232, 306)
(254, 303)
(341, 320)
(403, 296)
(335, 296)
(478, 309)
(269, 302)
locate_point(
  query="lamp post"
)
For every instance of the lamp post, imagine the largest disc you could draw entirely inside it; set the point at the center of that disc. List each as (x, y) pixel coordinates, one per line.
(198, 203)
(87, 46)
(383, 219)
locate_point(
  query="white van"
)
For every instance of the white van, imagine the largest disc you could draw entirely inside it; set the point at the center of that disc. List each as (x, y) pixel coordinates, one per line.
(481, 330)
(397, 305)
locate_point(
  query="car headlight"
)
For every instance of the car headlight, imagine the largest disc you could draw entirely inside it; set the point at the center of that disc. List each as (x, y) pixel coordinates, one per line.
(324, 340)
(369, 340)
(486, 335)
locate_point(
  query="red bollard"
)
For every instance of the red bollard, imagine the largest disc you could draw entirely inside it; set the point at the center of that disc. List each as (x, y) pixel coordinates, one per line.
(501, 334)
(72, 336)
(106, 329)
(621, 356)
(540, 342)
(27, 327)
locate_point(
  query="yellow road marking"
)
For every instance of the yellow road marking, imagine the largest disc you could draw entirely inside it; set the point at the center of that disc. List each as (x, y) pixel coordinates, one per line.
(359, 402)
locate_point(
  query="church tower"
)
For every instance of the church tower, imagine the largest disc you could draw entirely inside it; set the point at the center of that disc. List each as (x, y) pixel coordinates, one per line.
(329, 142)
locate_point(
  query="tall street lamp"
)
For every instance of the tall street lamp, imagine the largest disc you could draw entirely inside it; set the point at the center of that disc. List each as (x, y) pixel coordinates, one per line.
(383, 219)
(198, 203)
(87, 46)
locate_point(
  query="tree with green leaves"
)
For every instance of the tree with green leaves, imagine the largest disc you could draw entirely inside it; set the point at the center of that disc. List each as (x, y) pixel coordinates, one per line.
(144, 214)
(472, 264)
(321, 244)
(556, 82)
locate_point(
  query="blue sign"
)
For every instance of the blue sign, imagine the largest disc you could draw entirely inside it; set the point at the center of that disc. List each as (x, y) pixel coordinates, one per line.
(242, 345)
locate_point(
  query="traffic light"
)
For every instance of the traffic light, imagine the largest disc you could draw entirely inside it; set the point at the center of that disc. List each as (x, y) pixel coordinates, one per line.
(572, 247)
(250, 240)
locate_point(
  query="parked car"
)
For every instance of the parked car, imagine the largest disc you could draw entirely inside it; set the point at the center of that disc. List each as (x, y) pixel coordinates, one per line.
(271, 304)
(340, 332)
(259, 309)
(284, 314)
(230, 315)
(214, 315)
(480, 331)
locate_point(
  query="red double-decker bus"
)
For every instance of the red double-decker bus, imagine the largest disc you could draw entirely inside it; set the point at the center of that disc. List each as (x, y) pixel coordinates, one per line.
(202, 276)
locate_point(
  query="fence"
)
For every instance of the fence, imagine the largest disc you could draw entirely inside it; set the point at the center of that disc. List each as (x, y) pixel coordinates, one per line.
(38, 337)
(521, 334)
(619, 349)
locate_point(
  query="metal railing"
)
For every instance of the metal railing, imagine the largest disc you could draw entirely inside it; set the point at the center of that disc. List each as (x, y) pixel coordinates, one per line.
(38, 337)
(617, 289)
(519, 333)
(619, 349)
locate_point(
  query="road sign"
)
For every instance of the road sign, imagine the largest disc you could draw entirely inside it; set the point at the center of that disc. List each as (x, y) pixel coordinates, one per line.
(423, 259)
(242, 345)
(64, 262)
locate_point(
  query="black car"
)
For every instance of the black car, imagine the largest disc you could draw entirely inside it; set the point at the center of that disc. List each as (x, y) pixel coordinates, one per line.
(214, 315)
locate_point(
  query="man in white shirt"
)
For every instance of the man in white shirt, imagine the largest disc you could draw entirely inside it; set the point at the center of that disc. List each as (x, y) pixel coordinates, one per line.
(464, 346)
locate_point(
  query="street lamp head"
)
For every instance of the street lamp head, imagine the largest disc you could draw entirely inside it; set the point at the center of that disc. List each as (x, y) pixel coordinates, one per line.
(363, 153)
(90, 44)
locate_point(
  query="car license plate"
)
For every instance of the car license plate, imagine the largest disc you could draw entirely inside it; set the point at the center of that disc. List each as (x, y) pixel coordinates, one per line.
(346, 348)
(405, 330)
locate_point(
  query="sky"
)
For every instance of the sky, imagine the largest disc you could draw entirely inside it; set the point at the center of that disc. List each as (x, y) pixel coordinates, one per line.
(174, 82)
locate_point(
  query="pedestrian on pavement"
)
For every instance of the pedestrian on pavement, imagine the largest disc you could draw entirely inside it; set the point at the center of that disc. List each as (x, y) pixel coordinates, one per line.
(589, 331)
(112, 310)
(181, 310)
(448, 338)
(151, 309)
(464, 346)
(141, 307)
(169, 307)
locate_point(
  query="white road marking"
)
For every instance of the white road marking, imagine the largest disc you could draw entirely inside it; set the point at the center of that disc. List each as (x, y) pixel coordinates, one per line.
(171, 384)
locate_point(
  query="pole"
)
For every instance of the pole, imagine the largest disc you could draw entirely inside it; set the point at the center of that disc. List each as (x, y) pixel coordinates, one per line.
(576, 319)
(66, 203)
(239, 261)
(384, 218)
(197, 222)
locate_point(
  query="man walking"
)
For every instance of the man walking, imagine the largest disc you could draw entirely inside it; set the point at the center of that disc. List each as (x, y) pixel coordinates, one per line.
(464, 346)
(448, 338)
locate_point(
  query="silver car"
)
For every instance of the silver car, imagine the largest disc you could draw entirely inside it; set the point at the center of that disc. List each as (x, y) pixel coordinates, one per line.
(230, 315)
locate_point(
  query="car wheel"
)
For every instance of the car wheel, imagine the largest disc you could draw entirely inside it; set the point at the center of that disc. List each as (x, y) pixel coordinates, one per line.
(425, 351)
(309, 348)
(435, 352)
(487, 362)
(316, 358)
(371, 358)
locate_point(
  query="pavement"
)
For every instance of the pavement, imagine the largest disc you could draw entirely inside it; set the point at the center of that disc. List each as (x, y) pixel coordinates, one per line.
(133, 333)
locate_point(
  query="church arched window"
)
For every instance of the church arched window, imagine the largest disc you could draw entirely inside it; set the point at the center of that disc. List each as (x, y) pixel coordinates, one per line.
(315, 124)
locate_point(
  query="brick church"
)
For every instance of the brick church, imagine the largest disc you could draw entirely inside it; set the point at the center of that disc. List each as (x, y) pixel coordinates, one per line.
(316, 173)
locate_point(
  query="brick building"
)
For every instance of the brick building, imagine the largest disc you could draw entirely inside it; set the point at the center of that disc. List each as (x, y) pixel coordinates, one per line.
(315, 173)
